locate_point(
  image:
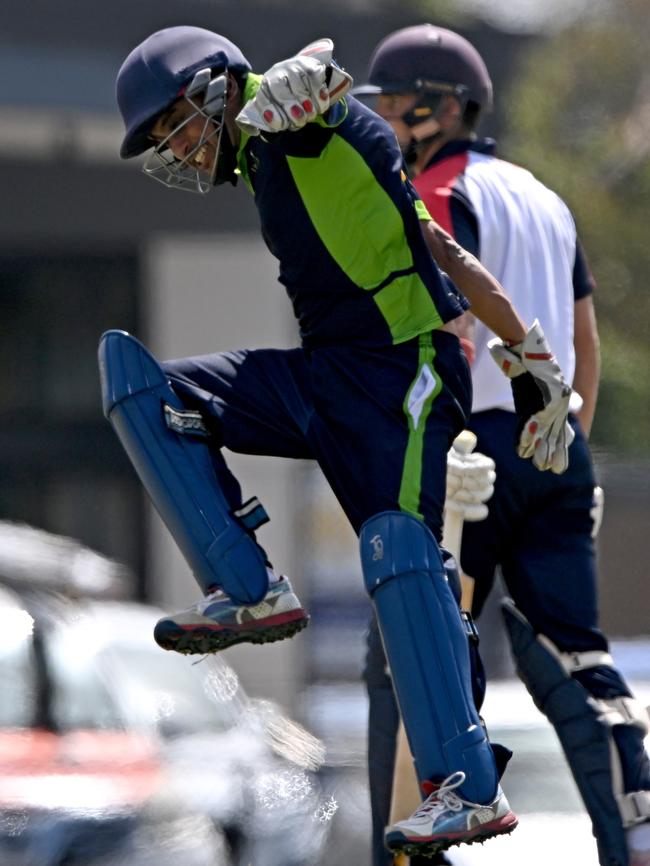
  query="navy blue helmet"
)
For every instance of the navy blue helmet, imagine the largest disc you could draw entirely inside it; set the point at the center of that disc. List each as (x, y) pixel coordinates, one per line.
(156, 72)
(430, 61)
(197, 66)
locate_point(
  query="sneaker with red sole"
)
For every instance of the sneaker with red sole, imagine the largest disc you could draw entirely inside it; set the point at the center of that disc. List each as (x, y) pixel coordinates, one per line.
(444, 819)
(216, 622)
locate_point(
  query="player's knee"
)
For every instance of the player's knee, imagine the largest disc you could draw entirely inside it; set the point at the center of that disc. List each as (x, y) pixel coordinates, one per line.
(395, 544)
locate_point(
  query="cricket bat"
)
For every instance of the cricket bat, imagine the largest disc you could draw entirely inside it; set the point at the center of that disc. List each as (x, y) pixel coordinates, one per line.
(406, 796)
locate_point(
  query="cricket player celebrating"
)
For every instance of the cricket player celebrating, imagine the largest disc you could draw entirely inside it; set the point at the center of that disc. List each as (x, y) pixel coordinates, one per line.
(375, 393)
(432, 85)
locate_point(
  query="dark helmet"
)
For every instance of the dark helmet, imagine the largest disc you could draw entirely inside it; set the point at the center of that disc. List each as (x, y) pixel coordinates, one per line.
(156, 72)
(428, 59)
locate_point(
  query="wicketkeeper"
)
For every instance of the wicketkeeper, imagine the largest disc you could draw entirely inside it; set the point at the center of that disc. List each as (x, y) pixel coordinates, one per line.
(375, 393)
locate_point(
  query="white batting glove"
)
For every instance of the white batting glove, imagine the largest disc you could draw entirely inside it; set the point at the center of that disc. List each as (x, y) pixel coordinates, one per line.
(541, 397)
(470, 483)
(295, 91)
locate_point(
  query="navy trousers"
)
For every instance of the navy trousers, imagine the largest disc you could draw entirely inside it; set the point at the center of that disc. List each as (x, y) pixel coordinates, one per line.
(538, 531)
(345, 407)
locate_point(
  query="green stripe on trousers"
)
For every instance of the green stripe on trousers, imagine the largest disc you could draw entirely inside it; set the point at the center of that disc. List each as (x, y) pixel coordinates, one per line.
(417, 406)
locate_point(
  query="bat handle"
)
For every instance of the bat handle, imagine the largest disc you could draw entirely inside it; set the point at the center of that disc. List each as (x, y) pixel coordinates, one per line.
(452, 529)
(465, 442)
(452, 533)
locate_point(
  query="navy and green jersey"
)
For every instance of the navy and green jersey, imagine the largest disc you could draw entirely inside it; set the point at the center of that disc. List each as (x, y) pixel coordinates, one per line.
(343, 220)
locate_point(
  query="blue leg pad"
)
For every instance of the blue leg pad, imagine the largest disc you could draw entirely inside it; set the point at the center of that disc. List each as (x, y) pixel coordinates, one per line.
(427, 651)
(176, 469)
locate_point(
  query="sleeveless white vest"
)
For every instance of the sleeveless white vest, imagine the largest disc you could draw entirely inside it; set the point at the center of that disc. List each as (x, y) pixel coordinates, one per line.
(528, 242)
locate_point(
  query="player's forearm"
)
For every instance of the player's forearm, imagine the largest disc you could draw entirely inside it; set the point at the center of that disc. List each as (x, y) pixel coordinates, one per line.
(489, 302)
(586, 385)
(587, 372)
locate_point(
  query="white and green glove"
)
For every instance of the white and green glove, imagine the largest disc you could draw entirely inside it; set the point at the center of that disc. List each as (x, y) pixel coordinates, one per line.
(295, 91)
(541, 397)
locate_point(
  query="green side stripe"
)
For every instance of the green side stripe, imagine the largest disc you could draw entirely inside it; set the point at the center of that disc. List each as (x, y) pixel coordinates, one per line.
(352, 213)
(363, 231)
(250, 89)
(338, 110)
(407, 307)
(421, 210)
(409, 494)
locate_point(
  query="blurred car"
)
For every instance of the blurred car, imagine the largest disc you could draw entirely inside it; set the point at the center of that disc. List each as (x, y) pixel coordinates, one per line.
(114, 752)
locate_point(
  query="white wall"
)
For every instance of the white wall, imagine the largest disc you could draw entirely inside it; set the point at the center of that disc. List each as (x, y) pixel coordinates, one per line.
(214, 293)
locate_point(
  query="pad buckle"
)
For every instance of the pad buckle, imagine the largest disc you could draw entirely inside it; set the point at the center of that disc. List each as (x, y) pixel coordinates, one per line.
(186, 422)
(470, 628)
(251, 514)
(635, 807)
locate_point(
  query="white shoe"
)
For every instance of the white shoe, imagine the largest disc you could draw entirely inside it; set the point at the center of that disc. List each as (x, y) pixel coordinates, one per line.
(216, 622)
(444, 819)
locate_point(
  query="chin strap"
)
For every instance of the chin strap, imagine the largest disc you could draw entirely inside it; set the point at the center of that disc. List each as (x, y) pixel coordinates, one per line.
(422, 120)
(417, 146)
(227, 162)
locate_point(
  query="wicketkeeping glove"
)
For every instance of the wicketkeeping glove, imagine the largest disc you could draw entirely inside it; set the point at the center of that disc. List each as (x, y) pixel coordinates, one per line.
(541, 397)
(470, 483)
(295, 91)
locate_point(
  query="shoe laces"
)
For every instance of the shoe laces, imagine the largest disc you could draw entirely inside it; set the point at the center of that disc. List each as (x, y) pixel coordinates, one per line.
(444, 798)
(217, 594)
(199, 606)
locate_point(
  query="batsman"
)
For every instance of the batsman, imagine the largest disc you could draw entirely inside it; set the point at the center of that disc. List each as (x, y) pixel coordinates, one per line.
(375, 393)
(433, 87)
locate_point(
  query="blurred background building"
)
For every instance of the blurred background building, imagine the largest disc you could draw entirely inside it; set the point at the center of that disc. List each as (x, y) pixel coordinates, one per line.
(87, 244)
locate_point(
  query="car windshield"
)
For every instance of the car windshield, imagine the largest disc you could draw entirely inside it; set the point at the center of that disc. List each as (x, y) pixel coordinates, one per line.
(99, 671)
(17, 668)
(136, 686)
